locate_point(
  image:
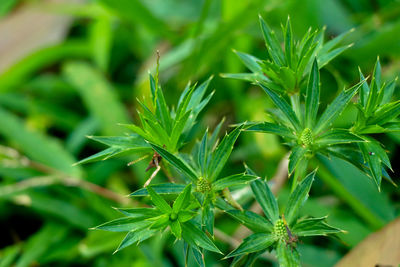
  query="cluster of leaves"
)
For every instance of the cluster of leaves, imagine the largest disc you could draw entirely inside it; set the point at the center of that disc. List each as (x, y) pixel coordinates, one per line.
(297, 118)
(285, 77)
(274, 231)
(376, 115)
(192, 214)
(142, 223)
(303, 132)
(161, 124)
(287, 69)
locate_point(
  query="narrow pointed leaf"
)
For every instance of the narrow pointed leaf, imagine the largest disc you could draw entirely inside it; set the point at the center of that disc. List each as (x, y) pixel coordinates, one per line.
(236, 179)
(385, 114)
(373, 162)
(298, 153)
(198, 94)
(106, 153)
(272, 43)
(251, 62)
(177, 130)
(124, 224)
(183, 199)
(222, 153)
(283, 106)
(159, 222)
(138, 130)
(288, 43)
(162, 110)
(139, 212)
(202, 155)
(337, 136)
(267, 127)
(129, 141)
(251, 220)
(336, 107)
(326, 58)
(314, 227)
(364, 91)
(199, 257)
(184, 216)
(207, 217)
(388, 91)
(158, 201)
(334, 42)
(266, 199)
(195, 237)
(176, 229)
(136, 236)
(312, 95)
(212, 142)
(178, 163)
(253, 243)
(297, 198)
(167, 188)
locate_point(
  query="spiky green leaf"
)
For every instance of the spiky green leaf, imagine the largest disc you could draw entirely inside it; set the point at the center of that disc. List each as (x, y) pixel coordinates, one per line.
(336, 107)
(222, 153)
(253, 243)
(312, 95)
(232, 180)
(297, 198)
(313, 227)
(178, 163)
(266, 199)
(183, 199)
(283, 106)
(195, 237)
(252, 220)
(158, 201)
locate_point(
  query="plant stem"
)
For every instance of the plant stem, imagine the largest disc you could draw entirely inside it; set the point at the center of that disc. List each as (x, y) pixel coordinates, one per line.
(299, 173)
(362, 211)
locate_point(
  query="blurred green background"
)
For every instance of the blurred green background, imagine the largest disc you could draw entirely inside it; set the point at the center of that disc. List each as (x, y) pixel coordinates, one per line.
(69, 69)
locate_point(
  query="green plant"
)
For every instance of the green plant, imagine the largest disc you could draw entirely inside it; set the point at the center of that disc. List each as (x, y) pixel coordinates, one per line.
(285, 77)
(161, 125)
(142, 223)
(286, 68)
(298, 123)
(376, 115)
(273, 231)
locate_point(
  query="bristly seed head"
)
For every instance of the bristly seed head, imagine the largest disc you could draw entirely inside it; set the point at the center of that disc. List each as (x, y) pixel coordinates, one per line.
(203, 185)
(280, 230)
(306, 137)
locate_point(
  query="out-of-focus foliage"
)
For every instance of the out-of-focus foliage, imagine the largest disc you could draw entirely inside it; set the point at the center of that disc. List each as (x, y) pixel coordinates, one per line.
(52, 98)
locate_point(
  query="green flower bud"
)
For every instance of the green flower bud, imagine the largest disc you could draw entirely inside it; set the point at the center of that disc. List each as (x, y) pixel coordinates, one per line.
(203, 185)
(280, 230)
(306, 137)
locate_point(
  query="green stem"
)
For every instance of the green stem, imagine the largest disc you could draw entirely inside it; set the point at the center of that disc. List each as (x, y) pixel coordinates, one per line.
(299, 173)
(362, 211)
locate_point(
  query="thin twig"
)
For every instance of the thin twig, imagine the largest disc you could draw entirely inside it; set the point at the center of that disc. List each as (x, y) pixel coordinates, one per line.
(53, 176)
(152, 176)
(41, 181)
